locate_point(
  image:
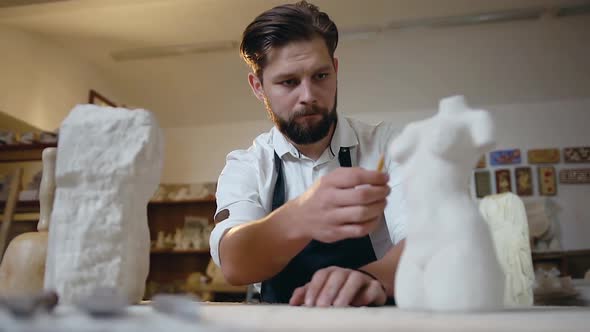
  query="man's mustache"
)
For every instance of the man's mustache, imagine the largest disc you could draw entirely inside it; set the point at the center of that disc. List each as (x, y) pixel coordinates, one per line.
(307, 111)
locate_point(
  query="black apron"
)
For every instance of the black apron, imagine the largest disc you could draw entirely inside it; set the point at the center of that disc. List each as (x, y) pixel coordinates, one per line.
(348, 253)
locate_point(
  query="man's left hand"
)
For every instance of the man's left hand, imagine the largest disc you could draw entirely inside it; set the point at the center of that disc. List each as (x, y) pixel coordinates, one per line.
(339, 287)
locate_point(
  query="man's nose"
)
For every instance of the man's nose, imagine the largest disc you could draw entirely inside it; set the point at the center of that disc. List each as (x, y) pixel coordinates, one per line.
(308, 93)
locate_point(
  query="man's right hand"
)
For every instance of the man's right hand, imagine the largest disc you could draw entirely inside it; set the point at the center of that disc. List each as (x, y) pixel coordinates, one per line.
(346, 203)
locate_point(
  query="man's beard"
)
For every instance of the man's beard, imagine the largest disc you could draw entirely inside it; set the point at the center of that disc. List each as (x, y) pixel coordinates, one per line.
(305, 133)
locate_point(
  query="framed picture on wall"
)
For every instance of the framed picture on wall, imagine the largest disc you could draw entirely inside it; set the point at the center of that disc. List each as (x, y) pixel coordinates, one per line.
(98, 99)
(547, 181)
(575, 176)
(483, 184)
(524, 181)
(505, 157)
(577, 154)
(503, 181)
(543, 156)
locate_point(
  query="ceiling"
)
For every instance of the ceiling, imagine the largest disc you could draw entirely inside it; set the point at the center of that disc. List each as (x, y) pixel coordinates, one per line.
(94, 29)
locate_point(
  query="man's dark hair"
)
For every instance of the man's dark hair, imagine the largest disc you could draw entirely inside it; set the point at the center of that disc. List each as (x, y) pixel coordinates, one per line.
(284, 24)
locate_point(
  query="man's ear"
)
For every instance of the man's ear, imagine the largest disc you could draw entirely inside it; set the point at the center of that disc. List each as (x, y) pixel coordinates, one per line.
(335, 64)
(256, 86)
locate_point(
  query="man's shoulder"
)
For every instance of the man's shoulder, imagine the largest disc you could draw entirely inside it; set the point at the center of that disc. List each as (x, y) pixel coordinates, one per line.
(244, 168)
(261, 149)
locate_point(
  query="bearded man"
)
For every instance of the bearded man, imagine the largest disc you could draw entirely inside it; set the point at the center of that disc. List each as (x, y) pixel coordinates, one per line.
(303, 212)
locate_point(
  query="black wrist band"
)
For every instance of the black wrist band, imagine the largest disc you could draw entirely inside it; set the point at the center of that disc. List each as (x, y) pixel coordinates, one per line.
(374, 278)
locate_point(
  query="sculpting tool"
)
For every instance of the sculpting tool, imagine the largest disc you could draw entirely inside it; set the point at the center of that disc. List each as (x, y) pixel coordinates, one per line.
(381, 163)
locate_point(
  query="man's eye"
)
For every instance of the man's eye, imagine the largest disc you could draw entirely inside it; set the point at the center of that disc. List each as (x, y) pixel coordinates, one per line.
(288, 82)
(321, 76)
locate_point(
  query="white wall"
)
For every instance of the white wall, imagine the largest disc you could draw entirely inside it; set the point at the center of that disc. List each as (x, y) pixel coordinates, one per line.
(493, 64)
(198, 154)
(40, 81)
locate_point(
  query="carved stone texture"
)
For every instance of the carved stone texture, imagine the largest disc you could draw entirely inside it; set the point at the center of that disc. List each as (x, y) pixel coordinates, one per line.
(109, 162)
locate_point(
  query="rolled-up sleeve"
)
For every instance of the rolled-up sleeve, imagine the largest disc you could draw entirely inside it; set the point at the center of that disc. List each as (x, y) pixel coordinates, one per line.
(396, 216)
(396, 212)
(238, 198)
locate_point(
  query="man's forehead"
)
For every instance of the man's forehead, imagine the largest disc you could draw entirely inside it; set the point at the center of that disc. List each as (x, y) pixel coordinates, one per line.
(297, 56)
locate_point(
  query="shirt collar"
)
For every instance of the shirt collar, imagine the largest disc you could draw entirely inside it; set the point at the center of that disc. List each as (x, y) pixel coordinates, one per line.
(281, 145)
(343, 136)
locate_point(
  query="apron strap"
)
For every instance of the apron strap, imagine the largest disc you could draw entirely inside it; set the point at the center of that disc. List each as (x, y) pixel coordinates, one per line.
(278, 197)
(279, 193)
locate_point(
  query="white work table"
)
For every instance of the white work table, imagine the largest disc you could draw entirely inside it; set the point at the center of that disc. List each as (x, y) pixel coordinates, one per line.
(282, 318)
(251, 317)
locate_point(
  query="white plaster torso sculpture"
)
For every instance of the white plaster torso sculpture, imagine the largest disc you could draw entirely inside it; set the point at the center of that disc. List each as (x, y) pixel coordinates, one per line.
(449, 262)
(108, 166)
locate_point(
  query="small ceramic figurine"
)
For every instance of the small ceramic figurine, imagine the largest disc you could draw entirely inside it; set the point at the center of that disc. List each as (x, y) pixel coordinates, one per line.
(178, 239)
(196, 241)
(161, 241)
(207, 233)
(160, 194)
(169, 241)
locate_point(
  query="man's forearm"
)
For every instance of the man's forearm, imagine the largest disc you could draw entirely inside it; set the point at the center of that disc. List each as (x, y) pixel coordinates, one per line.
(258, 250)
(384, 269)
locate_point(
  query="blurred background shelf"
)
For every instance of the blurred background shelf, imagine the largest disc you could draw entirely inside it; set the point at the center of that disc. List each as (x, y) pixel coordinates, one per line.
(560, 254)
(23, 217)
(572, 263)
(177, 271)
(26, 211)
(206, 200)
(23, 206)
(22, 152)
(180, 252)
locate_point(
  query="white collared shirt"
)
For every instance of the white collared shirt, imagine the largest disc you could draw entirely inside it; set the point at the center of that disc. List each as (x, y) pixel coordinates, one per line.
(245, 186)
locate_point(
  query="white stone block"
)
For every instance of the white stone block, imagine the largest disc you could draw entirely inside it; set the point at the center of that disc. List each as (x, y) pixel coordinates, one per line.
(108, 166)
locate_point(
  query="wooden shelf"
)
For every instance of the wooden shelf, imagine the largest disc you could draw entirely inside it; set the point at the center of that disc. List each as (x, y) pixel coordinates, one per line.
(22, 152)
(208, 199)
(23, 217)
(180, 252)
(30, 206)
(169, 266)
(572, 263)
(23, 206)
(223, 288)
(560, 254)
